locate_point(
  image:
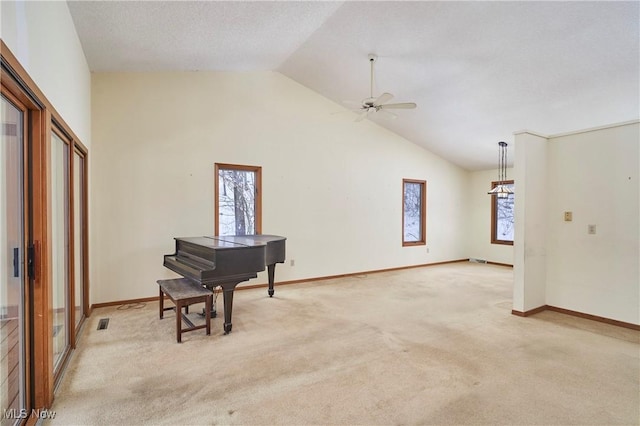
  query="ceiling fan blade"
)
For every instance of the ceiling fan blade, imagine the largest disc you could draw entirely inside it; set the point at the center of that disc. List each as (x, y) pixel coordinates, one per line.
(403, 105)
(385, 97)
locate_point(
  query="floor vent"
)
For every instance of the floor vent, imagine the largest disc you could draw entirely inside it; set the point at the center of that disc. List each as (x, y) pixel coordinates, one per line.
(103, 324)
(477, 260)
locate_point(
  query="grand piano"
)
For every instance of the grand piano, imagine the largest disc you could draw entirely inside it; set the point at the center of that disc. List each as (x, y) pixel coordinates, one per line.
(226, 261)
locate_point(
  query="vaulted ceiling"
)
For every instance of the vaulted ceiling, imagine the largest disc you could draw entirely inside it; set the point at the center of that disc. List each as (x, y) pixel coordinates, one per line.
(478, 71)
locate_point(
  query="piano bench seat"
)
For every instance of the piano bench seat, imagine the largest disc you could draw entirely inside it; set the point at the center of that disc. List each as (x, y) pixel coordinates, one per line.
(183, 292)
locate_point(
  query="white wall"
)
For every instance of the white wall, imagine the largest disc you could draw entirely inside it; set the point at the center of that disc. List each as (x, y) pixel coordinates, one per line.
(332, 186)
(595, 174)
(43, 38)
(530, 244)
(479, 236)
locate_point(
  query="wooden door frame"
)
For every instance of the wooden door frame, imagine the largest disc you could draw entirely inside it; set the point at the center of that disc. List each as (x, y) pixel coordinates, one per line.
(42, 117)
(84, 209)
(69, 323)
(26, 295)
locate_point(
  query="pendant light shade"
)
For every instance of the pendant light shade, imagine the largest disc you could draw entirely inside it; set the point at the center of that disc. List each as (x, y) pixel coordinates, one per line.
(501, 190)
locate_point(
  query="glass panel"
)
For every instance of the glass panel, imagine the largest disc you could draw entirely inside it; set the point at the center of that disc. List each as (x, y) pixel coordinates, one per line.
(236, 204)
(12, 280)
(78, 201)
(504, 225)
(412, 212)
(60, 245)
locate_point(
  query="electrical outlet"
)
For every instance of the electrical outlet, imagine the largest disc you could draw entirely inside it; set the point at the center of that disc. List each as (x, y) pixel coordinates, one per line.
(568, 216)
(591, 229)
(293, 262)
(427, 249)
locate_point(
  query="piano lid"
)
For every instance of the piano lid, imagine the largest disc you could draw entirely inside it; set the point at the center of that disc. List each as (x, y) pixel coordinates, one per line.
(248, 240)
(218, 244)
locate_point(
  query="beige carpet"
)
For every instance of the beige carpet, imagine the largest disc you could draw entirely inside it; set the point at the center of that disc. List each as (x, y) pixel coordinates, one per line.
(434, 345)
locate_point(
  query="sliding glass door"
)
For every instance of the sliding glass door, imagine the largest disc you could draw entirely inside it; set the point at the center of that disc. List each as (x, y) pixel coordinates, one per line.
(68, 243)
(13, 337)
(79, 238)
(60, 247)
(43, 244)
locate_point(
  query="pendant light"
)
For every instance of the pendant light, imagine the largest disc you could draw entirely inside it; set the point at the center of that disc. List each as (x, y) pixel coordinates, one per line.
(501, 189)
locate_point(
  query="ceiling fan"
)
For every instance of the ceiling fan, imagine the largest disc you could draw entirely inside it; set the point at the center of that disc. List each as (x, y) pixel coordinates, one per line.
(370, 105)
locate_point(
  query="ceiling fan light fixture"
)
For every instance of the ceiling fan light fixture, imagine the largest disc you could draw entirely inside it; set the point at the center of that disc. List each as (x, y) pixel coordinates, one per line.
(373, 104)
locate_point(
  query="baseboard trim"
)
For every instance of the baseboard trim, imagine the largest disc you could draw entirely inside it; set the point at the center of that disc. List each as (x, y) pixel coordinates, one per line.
(355, 274)
(577, 314)
(529, 312)
(499, 264)
(594, 318)
(265, 285)
(351, 274)
(124, 302)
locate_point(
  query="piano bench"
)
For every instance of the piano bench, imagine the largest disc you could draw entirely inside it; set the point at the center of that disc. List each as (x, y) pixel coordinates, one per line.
(183, 292)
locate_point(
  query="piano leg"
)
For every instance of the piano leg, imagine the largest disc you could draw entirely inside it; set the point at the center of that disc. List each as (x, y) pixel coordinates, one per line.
(271, 269)
(228, 306)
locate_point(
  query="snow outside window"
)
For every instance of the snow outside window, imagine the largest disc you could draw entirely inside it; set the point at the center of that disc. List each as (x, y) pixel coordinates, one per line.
(414, 212)
(502, 217)
(237, 199)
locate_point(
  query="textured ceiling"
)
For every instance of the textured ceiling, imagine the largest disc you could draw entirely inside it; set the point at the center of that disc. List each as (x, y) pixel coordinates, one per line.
(477, 70)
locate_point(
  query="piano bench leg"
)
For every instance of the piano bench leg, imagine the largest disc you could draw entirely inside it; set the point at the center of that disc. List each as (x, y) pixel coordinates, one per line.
(161, 304)
(181, 293)
(179, 321)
